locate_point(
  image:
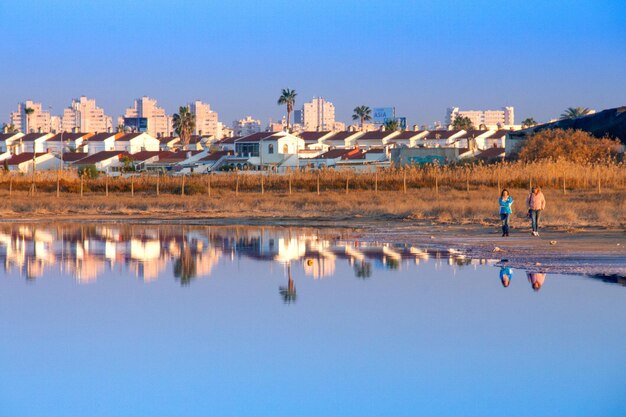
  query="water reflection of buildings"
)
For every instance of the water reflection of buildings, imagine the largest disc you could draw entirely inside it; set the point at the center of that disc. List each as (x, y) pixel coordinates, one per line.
(86, 252)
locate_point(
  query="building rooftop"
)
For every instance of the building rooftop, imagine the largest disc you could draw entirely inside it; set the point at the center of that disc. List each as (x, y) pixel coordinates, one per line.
(74, 156)
(101, 156)
(215, 156)
(376, 135)
(256, 137)
(408, 134)
(312, 136)
(441, 134)
(23, 157)
(5, 136)
(69, 136)
(101, 137)
(130, 136)
(31, 137)
(474, 133)
(144, 155)
(341, 136)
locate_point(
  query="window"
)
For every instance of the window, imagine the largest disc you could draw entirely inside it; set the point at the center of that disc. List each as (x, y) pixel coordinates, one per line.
(270, 148)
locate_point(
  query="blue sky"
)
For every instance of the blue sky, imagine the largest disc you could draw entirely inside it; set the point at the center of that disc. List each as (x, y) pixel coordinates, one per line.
(419, 56)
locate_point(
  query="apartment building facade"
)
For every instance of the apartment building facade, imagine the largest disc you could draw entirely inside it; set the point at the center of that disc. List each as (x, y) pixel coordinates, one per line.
(38, 121)
(84, 115)
(206, 120)
(158, 122)
(245, 127)
(316, 115)
(490, 119)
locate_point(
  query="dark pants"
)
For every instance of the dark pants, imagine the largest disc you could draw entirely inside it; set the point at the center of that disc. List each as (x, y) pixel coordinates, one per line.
(505, 222)
(534, 219)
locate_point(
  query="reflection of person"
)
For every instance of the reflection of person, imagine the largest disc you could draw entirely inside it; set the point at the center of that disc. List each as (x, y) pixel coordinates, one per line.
(505, 202)
(536, 279)
(535, 202)
(505, 276)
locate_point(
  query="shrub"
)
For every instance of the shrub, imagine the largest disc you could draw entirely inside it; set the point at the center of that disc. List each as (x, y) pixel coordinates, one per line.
(89, 171)
(569, 145)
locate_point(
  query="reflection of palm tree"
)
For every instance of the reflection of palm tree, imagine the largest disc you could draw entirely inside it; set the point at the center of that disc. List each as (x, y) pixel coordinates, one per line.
(363, 270)
(288, 293)
(185, 266)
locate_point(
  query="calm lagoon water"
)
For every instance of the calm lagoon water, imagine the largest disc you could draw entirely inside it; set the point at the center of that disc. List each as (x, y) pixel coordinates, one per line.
(114, 320)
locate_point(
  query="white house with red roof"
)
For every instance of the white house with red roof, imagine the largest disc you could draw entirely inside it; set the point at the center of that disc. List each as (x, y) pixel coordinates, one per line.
(374, 139)
(33, 142)
(64, 142)
(344, 139)
(102, 142)
(408, 138)
(23, 162)
(7, 139)
(137, 142)
(104, 161)
(442, 138)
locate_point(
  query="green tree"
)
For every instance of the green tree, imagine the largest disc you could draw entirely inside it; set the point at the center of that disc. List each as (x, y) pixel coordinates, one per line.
(362, 113)
(121, 128)
(9, 128)
(89, 171)
(575, 112)
(28, 111)
(185, 266)
(129, 165)
(184, 125)
(287, 98)
(391, 125)
(528, 122)
(462, 123)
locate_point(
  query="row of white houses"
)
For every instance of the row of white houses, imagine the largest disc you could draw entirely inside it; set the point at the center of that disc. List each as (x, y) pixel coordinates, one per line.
(270, 150)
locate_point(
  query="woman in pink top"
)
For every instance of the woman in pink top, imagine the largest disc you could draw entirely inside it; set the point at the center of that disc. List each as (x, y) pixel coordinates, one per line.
(536, 279)
(535, 202)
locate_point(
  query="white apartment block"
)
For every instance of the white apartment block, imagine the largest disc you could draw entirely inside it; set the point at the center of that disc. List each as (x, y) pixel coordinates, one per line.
(159, 123)
(317, 115)
(84, 116)
(206, 120)
(38, 121)
(491, 119)
(245, 127)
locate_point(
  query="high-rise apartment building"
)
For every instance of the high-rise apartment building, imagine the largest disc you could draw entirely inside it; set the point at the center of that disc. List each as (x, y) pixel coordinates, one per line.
(158, 123)
(317, 115)
(247, 126)
(491, 119)
(37, 121)
(84, 116)
(206, 119)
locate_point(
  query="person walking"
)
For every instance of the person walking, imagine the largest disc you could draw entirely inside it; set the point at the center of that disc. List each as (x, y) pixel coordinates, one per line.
(505, 202)
(535, 202)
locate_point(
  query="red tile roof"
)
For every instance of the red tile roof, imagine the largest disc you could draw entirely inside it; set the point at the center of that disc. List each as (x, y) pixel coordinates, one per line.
(340, 136)
(129, 136)
(492, 153)
(144, 155)
(101, 156)
(31, 137)
(441, 134)
(23, 157)
(101, 137)
(334, 154)
(354, 154)
(375, 135)
(67, 136)
(167, 139)
(408, 134)
(312, 136)
(216, 156)
(5, 136)
(74, 156)
(473, 134)
(499, 134)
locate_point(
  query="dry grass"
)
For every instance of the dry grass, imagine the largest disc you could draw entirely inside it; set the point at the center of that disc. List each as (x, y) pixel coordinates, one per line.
(451, 194)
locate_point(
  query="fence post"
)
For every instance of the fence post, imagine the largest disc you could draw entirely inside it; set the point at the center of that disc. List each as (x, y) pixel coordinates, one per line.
(599, 188)
(467, 187)
(182, 188)
(262, 183)
(318, 182)
(82, 179)
(347, 183)
(499, 181)
(564, 189)
(132, 185)
(58, 185)
(237, 183)
(208, 185)
(10, 185)
(158, 184)
(404, 181)
(437, 183)
(376, 181)
(290, 183)
(106, 185)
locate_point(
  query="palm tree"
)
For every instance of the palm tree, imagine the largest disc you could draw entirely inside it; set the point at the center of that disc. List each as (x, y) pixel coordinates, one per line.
(28, 111)
(288, 98)
(391, 125)
(362, 113)
(462, 123)
(529, 122)
(9, 128)
(121, 128)
(184, 125)
(288, 293)
(575, 112)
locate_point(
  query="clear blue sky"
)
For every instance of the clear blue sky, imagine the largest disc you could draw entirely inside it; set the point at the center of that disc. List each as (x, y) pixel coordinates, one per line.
(420, 56)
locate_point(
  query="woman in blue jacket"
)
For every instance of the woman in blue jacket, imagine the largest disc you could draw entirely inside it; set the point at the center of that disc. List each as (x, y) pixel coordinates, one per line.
(505, 201)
